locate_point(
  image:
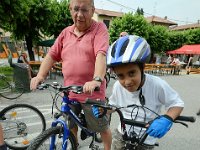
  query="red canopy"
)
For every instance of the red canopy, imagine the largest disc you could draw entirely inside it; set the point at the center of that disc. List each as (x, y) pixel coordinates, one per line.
(186, 49)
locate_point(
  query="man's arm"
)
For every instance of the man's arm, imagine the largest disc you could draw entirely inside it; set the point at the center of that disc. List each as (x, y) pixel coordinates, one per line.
(100, 70)
(100, 66)
(46, 65)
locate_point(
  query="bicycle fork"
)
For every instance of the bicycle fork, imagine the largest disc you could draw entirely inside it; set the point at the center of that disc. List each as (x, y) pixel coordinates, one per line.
(65, 134)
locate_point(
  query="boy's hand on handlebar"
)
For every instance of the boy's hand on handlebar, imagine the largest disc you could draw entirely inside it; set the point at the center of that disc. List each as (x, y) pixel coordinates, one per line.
(35, 82)
(160, 126)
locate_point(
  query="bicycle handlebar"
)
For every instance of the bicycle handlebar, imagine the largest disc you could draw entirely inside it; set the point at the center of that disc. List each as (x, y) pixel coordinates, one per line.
(141, 124)
(78, 89)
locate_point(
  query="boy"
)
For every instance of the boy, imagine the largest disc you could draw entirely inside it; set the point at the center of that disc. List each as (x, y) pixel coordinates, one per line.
(127, 57)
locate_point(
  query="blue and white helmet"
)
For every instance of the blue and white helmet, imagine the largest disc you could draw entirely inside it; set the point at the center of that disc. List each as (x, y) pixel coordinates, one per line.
(128, 49)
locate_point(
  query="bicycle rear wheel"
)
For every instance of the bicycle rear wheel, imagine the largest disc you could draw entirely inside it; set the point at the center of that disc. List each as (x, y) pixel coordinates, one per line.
(21, 124)
(12, 89)
(42, 142)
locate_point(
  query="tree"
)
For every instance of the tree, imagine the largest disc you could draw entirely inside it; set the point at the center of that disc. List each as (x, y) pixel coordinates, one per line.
(158, 38)
(32, 19)
(133, 24)
(62, 18)
(140, 11)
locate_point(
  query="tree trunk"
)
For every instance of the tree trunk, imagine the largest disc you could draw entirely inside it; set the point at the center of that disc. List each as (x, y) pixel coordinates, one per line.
(29, 43)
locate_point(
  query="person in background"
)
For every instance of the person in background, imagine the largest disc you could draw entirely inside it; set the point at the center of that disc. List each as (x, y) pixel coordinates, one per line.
(189, 64)
(136, 87)
(2, 143)
(169, 60)
(176, 65)
(82, 49)
(123, 34)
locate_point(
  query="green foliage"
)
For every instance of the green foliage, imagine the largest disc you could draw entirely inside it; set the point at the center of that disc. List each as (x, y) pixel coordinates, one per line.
(34, 19)
(140, 11)
(7, 71)
(62, 18)
(194, 36)
(178, 39)
(133, 24)
(158, 38)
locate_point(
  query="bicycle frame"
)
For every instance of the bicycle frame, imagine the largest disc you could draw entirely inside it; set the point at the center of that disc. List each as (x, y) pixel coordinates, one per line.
(66, 109)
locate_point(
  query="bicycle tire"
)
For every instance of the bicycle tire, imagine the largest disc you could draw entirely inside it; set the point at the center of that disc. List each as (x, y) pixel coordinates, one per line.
(20, 126)
(11, 89)
(40, 142)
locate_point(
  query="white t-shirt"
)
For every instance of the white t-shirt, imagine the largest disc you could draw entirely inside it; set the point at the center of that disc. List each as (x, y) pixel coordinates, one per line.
(157, 93)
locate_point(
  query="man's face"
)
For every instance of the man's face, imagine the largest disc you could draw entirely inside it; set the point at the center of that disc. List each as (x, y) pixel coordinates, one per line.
(129, 76)
(82, 12)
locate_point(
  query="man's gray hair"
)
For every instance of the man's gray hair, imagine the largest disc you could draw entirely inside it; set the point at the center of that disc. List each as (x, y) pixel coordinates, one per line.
(91, 1)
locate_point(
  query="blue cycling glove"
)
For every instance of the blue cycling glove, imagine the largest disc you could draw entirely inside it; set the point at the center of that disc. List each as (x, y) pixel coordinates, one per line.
(160, 126)
(98, 112)
(95, 111)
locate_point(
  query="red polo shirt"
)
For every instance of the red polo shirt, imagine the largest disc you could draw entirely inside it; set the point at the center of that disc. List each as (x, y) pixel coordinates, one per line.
(78, 56)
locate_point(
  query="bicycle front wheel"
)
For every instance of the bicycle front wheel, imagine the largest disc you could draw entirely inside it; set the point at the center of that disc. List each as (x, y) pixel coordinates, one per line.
(11, 90)
(21, 124)
(42, 142)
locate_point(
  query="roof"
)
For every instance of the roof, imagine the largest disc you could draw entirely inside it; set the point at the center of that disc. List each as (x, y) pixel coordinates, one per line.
(156, 19)
(187, 26)
(103, 12)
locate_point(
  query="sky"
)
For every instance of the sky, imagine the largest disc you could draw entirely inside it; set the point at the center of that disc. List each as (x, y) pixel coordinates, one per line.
(179, 11)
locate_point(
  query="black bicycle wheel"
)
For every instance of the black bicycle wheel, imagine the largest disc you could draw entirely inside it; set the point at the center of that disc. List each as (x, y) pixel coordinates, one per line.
(21, 124)
(42, 142)
(12, 89)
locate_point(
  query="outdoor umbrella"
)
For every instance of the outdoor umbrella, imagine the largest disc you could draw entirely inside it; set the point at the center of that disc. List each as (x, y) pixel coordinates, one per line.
(187, 49)
(46, 43)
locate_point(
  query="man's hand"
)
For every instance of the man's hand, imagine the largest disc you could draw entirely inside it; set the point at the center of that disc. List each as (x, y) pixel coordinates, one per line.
(90, 86)
(35, 82)
(160, 126)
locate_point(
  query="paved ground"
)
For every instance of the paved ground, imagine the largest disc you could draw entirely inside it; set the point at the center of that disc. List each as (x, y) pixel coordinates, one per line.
(179, 138)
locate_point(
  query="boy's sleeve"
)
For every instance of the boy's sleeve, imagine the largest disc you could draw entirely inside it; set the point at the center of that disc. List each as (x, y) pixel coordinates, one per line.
(113, 97)
(169, 97)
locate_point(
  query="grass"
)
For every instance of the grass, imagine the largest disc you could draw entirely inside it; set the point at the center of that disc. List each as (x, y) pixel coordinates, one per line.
(7, 71)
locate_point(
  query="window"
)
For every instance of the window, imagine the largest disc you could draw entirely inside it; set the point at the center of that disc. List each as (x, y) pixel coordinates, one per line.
(107, 23)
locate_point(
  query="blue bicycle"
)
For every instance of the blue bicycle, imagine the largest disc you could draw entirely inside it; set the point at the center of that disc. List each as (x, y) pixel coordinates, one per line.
(59, 137)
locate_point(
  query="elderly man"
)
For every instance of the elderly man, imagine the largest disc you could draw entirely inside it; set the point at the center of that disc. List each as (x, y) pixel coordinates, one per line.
(82, 49)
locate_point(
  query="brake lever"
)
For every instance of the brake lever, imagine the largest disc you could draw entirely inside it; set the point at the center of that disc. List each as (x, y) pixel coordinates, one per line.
(183, 123)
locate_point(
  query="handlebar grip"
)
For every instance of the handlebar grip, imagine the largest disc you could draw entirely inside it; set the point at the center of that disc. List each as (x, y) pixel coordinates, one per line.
(186, 118)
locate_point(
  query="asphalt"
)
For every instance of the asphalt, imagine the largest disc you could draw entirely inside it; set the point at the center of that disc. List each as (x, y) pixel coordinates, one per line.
(179, 137)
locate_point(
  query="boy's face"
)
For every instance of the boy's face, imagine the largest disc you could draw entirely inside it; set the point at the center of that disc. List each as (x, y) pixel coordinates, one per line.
(129, 76)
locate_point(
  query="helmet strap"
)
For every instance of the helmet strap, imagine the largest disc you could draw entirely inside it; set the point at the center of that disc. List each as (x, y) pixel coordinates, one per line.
(141, 96)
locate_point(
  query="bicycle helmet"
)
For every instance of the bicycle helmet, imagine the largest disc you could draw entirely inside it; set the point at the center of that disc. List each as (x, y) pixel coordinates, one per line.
(128, 49)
